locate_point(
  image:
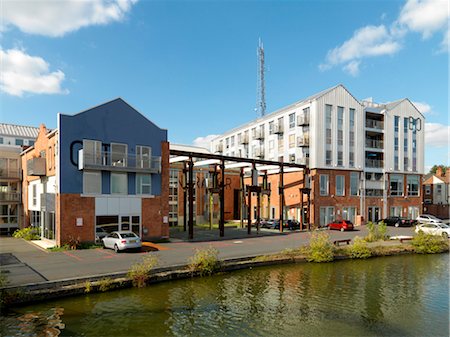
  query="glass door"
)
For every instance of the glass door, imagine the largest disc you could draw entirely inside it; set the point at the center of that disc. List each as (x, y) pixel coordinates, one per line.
(125, 223)
(373, 214)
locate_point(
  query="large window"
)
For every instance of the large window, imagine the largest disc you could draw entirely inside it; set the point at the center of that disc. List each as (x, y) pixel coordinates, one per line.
(143, 156)
(92, 152)
(396, 128)
(326, 215)
(34, 195)
(328, 134)
(354, 183)
(413, 185)
(405, 144)
(119, 183)
(19, 142)
(396, 211)
(291, 141)
(92, 182)
(119, 154)
(143, 184)
(324, 184)
(340, 185)
(9, 214)
(349, 213)
(396, 184)
(35, 219)
(292, 120)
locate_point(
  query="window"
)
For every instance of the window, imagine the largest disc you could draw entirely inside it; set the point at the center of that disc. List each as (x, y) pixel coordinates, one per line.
(92, 182)
(31, 142)
(405, 144)
(292, 158)
(92, 152)
(396, 211)
(143, 184)
(326, 215)
(340, 185)
(232, 141)
(351, 159)
(427, 189)
(119, 183)
(328, 157)
(34, 195)
(354, 182)
(396, 128)
(254, 133)
(349, 213)
(119, 154)
(1, 140)
(291, 141)
(271, 128)
(413, 185)
(108, 223)
(292, 120)
(396, 184)
(328, 135)
(324, 184)
(35, 219)
(340, 159)
(143, 156)
(19, 142)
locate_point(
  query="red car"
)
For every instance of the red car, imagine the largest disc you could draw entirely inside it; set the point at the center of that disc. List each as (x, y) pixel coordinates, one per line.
(342, 225)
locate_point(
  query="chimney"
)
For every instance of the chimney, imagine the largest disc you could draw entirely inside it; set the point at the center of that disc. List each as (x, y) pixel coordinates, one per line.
(447, 172)
(439, 172)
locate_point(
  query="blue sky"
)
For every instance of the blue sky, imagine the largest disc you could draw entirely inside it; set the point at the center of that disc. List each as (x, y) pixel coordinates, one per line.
(190, 66)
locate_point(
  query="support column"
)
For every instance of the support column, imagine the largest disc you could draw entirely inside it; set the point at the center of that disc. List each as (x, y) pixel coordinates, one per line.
(185, 187)
(281, 193)
(258, 210)
(222, 200)
(249, 213)
(242, 197)
(191, 198)
(301, 205)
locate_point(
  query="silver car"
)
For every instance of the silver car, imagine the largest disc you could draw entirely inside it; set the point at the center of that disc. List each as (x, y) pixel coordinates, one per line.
(122, 240)
(434, 229)
(427, 218)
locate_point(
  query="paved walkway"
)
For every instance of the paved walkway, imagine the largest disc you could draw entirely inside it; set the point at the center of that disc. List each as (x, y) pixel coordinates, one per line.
(26, 263)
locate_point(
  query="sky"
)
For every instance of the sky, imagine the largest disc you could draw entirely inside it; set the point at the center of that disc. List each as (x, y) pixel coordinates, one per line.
(191, 66)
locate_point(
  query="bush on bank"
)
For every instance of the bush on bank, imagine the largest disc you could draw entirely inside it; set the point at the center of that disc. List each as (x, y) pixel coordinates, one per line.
(204, 261)
(27, 233)
(140, 272)
(320, 248)
(429, 244)
(377, 232)
(359, 249)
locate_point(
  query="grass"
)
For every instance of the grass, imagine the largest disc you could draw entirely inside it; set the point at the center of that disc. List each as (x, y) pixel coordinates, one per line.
(216, 225)
(205, 261)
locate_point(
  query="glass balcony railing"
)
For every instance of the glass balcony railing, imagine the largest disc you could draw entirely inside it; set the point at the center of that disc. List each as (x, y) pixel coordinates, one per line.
(374, 163)
(9, 173)
(374, 124)
(374, 144)
(119, 162)
(9, 196)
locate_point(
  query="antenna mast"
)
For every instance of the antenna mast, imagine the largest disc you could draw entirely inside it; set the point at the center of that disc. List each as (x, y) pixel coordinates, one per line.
(261, 86)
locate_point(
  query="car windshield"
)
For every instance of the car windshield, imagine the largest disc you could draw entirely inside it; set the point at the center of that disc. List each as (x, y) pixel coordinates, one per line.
(128, 235)
(347, 222)
(443, 225)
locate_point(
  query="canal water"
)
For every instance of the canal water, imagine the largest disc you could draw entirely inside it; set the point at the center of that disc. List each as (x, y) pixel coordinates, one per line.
(393, 296)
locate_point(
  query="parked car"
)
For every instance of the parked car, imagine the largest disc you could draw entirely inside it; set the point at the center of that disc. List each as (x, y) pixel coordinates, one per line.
(427, 218)
(122, 240)
(342, 225)
(398, 221)
(100, 233)
(266, 223)
(434, 229)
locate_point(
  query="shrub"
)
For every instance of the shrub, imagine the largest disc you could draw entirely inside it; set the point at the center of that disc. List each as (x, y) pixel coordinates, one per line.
(320, 248)
(105, 284)
(87, 287)
(204, 261)
(140, 272)
(73, 243)
(27, 233)
(376, 232)
(429, 244)
(359, 249)
(3, 280)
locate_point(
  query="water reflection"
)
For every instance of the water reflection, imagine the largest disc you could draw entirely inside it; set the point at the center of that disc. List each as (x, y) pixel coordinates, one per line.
(396, 296)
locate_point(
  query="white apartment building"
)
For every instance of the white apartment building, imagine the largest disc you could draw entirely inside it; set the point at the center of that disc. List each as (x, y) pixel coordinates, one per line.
(374, 152)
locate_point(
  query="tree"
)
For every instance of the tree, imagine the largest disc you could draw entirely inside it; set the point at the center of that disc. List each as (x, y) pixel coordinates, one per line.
(435, 167)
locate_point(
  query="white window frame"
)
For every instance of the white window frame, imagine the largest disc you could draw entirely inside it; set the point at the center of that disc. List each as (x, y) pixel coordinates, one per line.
(141, 161)
(340, 192)
(140, 184)
(352, 188)
(324, 180)
(122, 162)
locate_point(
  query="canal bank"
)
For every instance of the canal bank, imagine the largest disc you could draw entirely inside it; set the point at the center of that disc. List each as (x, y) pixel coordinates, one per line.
(42, 291)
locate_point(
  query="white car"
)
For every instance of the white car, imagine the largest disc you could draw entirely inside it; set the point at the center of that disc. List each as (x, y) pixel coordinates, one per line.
(428, 218)
(122, 240)
(434, 229)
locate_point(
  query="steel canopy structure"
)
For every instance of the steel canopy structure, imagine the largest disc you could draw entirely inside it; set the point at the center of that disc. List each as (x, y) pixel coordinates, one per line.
(191, 159)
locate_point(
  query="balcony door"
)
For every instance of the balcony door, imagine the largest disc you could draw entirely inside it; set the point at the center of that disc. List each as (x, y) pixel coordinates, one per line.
(373, 214)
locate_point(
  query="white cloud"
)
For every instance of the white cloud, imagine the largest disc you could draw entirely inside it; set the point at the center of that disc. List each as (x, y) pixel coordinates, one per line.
(368, 41)
(425, 16)
(56, 18)
(423, 107)
(204, 142)
(22, 73)
(437, 135)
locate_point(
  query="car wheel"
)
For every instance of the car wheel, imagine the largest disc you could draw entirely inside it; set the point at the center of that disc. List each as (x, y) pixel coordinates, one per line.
(445, 235)
(116, 249)
(396, 225)
(342, 229)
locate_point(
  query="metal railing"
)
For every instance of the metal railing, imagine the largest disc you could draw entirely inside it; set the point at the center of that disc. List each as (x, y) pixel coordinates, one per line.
(259, 135)
(303, 160)
(121, 160)
(303, 140)
(278, 128)
(374, 163)
(302, 120)
(374, 124)
(10, 196)
(219, 147)
(243, 140)
(374, 144)
(9, 173)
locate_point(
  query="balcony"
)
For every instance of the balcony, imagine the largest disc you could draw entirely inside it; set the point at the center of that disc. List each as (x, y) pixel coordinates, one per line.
(278, 129)
(374, 144)
(243, 140)
(9, 197)
(259, 135)
(259, 152)
(374, 124)
(219, 148)
(374, 163)
(48, 203)
(303, 141)
(114, 161)
(302, 120)
(9, 173)
(36, 167)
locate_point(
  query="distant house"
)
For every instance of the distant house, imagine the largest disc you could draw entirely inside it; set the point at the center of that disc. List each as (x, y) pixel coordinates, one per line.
(436, 193)
(103, 169)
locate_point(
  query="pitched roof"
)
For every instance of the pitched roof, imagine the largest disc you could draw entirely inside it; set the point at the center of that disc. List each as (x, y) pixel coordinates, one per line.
(18, 130)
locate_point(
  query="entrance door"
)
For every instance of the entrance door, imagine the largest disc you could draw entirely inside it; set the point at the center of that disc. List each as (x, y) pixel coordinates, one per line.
(373, 214)
(125, 223)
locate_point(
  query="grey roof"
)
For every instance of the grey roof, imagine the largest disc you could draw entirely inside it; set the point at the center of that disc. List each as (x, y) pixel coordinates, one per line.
(191, 148)
(18, 130)
(391, 105)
